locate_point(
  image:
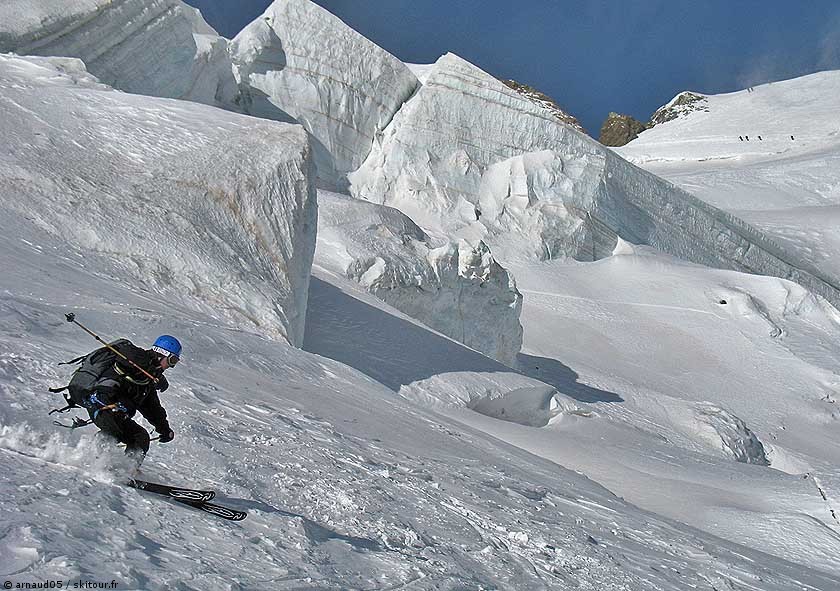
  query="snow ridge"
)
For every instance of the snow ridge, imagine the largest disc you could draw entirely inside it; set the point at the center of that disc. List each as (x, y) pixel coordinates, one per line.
(154, 47)
(218, 203)
(299, 61)
(471, 156)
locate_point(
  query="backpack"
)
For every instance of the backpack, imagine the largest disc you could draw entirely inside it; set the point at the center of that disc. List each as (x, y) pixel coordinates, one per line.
(92, 367)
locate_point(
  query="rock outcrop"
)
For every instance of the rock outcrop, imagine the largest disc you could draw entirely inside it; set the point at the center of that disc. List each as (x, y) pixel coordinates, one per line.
(545, 101)
(619, 130)
(682, 104)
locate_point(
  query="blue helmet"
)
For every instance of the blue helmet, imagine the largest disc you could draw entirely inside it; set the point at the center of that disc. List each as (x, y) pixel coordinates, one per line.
(167, 345)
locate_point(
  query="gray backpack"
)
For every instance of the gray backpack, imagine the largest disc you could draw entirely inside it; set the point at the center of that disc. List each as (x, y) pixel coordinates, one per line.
(92, 367)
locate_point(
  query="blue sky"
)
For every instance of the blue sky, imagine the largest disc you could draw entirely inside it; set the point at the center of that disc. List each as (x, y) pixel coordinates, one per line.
(595, 56)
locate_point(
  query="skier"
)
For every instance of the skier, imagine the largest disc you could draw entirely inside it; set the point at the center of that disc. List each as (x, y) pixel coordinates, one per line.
(122, 390)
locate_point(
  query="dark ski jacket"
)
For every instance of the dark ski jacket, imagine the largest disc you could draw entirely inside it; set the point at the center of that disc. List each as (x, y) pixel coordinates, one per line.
(121, 383)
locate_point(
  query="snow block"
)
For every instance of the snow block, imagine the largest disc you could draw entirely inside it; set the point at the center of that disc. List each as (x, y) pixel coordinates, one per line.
(155, 47)
(532, 407)
(217, 218)
(470, 156)
(453, 287)
(297, 60)
(732, 434)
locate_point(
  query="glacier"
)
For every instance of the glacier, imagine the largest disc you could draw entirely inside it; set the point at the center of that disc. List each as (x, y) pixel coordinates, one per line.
(297, 60)
(222, 216)
(155, 47)
(453, 287)
(472, 157)
(384, 454)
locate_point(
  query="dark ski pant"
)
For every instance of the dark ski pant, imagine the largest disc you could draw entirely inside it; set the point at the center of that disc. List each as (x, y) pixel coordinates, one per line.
(119, 426)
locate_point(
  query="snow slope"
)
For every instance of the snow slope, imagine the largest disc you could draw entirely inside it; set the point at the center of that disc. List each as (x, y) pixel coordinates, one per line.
(696, 379)
(299, 60)
(347, 486)
(221, 216)
(155, 47)
(452, 287)
(787, 186)
(678, 385)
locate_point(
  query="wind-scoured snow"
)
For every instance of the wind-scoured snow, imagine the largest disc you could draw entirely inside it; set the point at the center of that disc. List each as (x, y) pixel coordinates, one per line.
(451, 286)
(298, 60)
(155, 47)
(220, 216)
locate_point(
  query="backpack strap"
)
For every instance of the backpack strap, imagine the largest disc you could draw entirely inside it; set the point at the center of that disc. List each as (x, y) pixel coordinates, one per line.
(76, 360)
(67, 399)
(124, 374)
(58, 390)
(77, 422)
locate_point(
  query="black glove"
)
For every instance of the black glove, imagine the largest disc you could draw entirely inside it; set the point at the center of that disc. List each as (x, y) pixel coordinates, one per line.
(166, 435)
(162, 384)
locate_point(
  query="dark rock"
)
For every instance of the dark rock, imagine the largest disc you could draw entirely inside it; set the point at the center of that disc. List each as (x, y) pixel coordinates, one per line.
(682, 104)
(544, 101)
(619, 129)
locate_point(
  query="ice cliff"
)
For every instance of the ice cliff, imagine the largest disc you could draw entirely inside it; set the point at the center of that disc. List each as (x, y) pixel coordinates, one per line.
(453, 287)
(298, 60)
(471, 156)
(156, 47)
(217, 217)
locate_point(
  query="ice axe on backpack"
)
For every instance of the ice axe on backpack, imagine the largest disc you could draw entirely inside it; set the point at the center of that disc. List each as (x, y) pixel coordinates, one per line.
(71, 317)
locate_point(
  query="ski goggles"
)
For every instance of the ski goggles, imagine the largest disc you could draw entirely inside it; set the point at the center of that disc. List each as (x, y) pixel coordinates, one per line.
(171, 357)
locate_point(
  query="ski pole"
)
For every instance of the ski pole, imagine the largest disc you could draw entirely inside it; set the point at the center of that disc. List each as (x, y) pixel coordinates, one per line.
(71, 317)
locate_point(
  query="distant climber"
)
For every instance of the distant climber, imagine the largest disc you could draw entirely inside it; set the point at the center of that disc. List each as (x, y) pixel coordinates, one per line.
(759, 139)
(748, 137)
(118, 380)
(741, 138)
(791, 137)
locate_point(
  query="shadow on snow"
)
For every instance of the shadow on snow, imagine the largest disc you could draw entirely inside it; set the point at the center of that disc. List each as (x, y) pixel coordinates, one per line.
(396, 352)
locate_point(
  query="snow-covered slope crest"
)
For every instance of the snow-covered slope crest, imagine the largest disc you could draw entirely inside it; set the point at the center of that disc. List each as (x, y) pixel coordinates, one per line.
(299, 60)
(221, 217)
(774, 120)
(475, 158)
(453, 287)
(155, 47)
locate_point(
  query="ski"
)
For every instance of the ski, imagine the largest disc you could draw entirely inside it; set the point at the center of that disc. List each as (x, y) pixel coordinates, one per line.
(197, 499)
(218, 510)
(175, 492)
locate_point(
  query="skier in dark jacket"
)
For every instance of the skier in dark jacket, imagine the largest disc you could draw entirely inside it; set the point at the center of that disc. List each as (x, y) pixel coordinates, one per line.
(122, 390)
